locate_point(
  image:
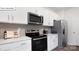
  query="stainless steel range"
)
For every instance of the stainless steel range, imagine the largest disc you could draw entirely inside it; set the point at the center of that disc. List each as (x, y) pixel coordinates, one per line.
(39, 42)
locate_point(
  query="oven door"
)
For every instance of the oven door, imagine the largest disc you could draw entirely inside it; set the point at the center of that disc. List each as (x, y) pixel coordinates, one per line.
(39, 44)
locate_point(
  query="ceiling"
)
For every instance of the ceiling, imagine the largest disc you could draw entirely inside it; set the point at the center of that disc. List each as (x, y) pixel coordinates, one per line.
(58, 9)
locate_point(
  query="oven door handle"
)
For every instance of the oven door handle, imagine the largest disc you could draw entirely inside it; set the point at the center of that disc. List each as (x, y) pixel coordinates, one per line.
(39, 38)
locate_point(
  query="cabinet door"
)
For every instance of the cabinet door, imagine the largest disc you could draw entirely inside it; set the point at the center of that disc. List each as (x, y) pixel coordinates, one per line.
(32, 10)
(56, 41)
(52, 41)
(23, 46)
(18, 16)
(17, 46)
(48, 19)
(29, 45)
(4, 16)
(44, 12)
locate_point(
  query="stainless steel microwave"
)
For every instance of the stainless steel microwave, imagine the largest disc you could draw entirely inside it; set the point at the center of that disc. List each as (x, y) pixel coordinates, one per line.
(35, 19)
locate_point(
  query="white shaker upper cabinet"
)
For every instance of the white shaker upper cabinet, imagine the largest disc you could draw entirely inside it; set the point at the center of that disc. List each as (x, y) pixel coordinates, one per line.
(4, 16)
(33, 10)
(47, 16)
(48, 19)
(18, 16)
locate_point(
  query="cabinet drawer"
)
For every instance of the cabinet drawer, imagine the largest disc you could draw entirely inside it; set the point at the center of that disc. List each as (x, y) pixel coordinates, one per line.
(11, 46)
(24, 46)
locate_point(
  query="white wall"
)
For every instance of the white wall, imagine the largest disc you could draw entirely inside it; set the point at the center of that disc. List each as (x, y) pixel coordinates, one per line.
(72, 18)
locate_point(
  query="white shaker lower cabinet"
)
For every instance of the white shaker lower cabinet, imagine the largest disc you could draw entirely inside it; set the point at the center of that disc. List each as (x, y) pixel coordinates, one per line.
(16, 46)
(23, 46)
(52, 41)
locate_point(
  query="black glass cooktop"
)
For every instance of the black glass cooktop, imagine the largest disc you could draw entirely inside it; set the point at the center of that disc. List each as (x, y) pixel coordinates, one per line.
(35, 35)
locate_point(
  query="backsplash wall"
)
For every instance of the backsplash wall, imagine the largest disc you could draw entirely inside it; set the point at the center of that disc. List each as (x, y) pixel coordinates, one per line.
(15, 27)
(10, 27)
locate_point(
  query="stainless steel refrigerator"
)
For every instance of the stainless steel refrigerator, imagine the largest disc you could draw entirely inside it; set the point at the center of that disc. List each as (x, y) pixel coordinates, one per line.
(60, 29)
